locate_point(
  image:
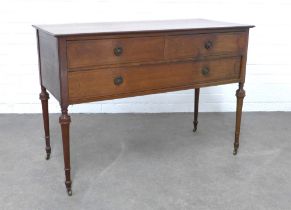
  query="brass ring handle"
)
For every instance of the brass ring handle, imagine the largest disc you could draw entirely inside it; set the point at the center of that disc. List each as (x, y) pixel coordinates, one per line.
(118, 51)
(118, 80)
(205, 71)
(208, 45)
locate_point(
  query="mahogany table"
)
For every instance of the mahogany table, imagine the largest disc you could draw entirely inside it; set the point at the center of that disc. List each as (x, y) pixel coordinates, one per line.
(81, 63)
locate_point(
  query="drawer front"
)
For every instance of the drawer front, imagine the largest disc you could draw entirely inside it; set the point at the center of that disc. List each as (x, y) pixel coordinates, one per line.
(104, 83)
(85, 53)
(189, 46)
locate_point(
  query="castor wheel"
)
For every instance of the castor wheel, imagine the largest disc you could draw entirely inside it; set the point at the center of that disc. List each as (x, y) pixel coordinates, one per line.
(69, 191)
(48, 151)
(235, 151)
(235, 148)
(195, 123)
(48, 155)
(69, 187)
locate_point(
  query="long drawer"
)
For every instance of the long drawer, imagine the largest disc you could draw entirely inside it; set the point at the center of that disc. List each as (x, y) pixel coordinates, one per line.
(109, 83)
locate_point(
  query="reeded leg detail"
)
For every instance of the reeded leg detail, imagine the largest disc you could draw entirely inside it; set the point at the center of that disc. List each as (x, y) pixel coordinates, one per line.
(44, 96)
(65, 121)
(196, 106)
(240, 94)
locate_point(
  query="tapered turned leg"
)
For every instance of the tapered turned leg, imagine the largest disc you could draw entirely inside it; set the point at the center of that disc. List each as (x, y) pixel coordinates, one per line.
(44, 96)
(240, 94)
(196, 106)
(65, 120)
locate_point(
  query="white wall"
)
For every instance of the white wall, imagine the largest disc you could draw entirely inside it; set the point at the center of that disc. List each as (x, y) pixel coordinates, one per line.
(268, 82)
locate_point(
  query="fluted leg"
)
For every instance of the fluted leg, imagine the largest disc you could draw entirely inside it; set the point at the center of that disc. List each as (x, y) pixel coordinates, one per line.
(44, 96)
(240, 94)
(196, 106)
(65, 121)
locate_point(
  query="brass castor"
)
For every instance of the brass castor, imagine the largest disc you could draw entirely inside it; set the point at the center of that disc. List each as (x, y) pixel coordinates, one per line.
(235, 151)
(69, 187)
(69, 191)
(235, 148)
(48, 155)
(195, 123)
(48, 152)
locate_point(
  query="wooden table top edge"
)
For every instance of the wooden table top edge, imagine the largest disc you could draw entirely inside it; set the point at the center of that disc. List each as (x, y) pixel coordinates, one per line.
(123, 27)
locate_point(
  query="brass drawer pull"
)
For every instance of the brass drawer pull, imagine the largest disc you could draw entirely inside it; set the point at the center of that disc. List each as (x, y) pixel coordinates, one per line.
(208, 45)
(118, 80)
(205, 71)
(118, 51)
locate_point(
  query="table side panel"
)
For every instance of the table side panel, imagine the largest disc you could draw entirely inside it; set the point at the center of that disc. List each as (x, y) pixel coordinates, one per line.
(244, 58)
(49, 63)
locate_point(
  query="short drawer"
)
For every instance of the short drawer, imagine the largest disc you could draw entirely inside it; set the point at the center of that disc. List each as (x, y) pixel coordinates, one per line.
(109, 83)
(85, 53)
(189, 46)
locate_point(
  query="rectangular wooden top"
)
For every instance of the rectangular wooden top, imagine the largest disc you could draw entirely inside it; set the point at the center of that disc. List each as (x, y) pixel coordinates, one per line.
(137, 26)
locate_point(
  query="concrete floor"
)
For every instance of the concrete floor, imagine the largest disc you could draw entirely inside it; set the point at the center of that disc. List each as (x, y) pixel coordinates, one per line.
(148, 161)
